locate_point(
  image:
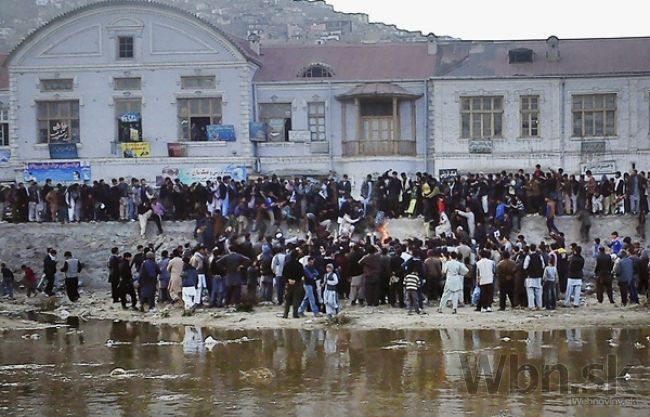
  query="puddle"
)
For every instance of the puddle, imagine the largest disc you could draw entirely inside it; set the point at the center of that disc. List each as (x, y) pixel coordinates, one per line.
(106, 368)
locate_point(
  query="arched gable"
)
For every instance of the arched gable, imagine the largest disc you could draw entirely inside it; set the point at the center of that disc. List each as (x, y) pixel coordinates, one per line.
(161, 33)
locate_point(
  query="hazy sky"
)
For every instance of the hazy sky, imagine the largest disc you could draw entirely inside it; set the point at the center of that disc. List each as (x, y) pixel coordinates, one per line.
(509, 19)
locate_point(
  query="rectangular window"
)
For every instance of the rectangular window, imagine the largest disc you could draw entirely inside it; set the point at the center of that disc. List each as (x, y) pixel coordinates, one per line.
(316, 115)
(64, 84)
(127, 84)
(481, 117)
(195, 115)
(125, 47)
(594, 115)
(198, 83)
(529, 110)
(128, 113)
(4, 126)
(58, 121)
(277, 117)
(377, 120)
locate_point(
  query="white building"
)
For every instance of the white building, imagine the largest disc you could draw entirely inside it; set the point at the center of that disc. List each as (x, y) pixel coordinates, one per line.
(117, 77)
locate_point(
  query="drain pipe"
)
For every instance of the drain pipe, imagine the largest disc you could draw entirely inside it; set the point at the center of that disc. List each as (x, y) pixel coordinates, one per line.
(426, 125)
(562, 120)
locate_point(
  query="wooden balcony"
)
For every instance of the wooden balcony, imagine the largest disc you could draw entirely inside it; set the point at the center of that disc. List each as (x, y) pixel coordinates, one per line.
(379, 148)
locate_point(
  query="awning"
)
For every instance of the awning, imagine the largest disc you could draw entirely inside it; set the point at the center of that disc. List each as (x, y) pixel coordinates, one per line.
(385, 90)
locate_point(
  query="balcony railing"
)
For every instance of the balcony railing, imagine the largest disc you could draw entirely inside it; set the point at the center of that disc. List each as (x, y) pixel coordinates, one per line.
(379, 148)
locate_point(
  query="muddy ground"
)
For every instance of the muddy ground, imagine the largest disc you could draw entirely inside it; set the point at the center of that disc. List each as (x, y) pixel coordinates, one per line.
(96, 305)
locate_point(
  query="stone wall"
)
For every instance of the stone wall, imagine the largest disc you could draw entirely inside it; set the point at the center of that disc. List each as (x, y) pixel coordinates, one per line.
(91, 243)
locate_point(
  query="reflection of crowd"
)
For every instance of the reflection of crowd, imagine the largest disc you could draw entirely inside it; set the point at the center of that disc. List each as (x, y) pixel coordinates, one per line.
(469, 258)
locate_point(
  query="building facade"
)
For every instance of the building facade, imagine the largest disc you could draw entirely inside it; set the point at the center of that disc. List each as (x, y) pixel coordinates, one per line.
(141, 89)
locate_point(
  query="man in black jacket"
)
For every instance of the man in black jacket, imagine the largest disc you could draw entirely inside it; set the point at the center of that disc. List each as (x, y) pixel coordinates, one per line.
(49, 269)
(114, 274)
(125, 281)
(292, 272)
(603, 272)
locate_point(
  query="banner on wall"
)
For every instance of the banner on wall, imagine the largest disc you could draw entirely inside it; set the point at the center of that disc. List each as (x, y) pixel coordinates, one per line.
(203, 174)
(224, 133)
(136, 149)
(5, 155)
(63, 151)
(57, 171)
(176, 150)
(257, 131)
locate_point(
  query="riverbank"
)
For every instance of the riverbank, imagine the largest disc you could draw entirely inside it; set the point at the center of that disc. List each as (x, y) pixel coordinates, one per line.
(96, 305)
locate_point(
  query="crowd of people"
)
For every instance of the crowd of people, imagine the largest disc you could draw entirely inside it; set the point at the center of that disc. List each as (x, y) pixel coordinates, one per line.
(472, 253)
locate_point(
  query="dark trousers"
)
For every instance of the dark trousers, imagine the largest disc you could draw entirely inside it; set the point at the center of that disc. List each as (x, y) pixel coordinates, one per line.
(115, 290)
(396, 295)
(413, 302)
(604, 283)
(293, 297)
(549, 296)
(72, 288)
(624, 287)
(49, 286)
(149, 298)
(487, 294)
(163, 295)
(156, 218)
(130, 291)
(506, 289)
(383, 289)
(563, 281)
(233, 294)
(521, 299)
(634, 293)
(372, 291)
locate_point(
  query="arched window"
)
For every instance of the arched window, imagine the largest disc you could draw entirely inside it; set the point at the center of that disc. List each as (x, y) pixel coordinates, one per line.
(317, 71)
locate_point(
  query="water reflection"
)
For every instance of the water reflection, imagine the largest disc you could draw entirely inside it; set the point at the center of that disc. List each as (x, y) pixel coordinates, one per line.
(169, 370)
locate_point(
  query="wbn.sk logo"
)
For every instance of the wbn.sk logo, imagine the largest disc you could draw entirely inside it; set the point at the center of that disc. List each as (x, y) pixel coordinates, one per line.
(527, 378)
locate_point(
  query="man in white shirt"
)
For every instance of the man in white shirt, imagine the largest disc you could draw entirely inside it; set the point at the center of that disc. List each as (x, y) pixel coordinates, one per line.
(485, 268)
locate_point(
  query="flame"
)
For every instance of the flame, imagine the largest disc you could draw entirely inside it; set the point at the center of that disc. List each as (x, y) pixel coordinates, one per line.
(383, 230)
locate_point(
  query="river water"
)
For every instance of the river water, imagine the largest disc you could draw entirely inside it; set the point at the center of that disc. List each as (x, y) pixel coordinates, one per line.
(105, 368)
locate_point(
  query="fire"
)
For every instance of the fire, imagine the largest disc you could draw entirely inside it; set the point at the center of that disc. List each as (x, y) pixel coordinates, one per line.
(383, 231)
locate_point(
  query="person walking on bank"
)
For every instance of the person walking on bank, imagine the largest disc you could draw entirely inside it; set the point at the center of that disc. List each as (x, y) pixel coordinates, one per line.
(7, 281)
(175, 268)
(310, 277)
(506, 272)
(534, 267)
(71, 268)
(29, 280)
(624, 271)
(125, 281)
(574, 285)
(411, 285)
(148, 279)
(330, 295)
(164, 278)
(114, 274)
(49, 269)
(190, 279)
(603, 272)
(549, 285)
(455, 272)
(293, 272)
(485, 269)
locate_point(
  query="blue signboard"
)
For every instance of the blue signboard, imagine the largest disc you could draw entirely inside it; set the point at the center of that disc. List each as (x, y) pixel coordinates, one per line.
(57, 171)
(63, 151)
(224, 133)
(5, 155)
(257, 131)
(130, 117)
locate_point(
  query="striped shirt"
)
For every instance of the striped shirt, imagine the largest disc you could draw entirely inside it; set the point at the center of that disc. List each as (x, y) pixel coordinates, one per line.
(411, 282)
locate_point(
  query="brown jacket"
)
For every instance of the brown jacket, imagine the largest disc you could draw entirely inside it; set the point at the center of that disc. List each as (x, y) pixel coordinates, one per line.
(506, 270)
